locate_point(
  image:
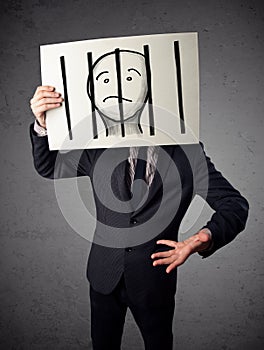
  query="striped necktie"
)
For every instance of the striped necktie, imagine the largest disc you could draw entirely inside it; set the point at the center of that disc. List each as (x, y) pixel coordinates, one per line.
(140, 171)
(139, 189)
(152, 158)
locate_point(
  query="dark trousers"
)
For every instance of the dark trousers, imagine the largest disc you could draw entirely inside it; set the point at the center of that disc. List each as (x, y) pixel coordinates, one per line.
(108, 316)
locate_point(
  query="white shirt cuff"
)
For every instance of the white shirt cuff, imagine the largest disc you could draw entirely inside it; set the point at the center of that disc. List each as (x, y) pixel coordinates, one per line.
(40, 130)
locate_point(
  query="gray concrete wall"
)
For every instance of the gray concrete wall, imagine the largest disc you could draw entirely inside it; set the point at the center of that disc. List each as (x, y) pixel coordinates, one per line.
(43, 291)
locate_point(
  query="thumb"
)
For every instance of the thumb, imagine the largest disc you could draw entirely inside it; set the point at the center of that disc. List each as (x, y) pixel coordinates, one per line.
(204, 236)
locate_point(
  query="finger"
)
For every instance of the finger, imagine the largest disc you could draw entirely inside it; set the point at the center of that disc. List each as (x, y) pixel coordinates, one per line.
(44, 108)
(45, 88)
(44, 94)
(164, 261)
(173, 265)
(167, 242)
(177, 262)
(45, 101)
(162, 254)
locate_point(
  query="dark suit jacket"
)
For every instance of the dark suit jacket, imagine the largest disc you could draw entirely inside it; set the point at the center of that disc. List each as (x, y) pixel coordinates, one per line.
(124, 241)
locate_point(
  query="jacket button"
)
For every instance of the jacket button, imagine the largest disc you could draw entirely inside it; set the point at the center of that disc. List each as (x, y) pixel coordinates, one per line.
(128, 249)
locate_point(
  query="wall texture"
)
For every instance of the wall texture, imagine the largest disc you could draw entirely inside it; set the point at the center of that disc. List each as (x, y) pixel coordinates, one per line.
(43, 290)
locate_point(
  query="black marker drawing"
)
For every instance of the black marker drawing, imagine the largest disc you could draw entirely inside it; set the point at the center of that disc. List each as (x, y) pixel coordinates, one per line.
(90, 67)
(119, 86)
(148, 71)
(179, 84)
(119, 90)
(66, 99)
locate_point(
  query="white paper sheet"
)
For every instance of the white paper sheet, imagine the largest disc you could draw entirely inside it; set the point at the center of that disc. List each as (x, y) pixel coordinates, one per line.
(124, 91)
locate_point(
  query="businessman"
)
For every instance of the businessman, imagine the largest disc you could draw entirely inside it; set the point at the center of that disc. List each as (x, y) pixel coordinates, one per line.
(138, 270)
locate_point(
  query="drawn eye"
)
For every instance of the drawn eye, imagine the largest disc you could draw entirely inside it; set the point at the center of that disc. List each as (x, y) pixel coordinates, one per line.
(106, 81)
(129, 78)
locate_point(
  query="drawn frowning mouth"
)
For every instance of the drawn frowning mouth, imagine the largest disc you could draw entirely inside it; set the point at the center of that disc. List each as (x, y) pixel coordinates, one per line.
(123, 98)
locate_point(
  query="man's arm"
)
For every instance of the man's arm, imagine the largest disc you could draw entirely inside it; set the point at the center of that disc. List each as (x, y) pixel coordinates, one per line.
(53, 164)
(231, 211)
(231, 208)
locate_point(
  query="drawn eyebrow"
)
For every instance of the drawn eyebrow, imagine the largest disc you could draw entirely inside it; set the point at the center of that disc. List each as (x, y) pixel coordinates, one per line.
(129, 69)
(101, 74)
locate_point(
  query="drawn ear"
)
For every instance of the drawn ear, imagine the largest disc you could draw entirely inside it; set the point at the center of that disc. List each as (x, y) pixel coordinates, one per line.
(149, 93)
(90, 91)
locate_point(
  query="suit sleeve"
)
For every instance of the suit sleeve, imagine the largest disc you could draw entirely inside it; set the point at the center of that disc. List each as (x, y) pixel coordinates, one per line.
(231, 208)
(54, 164)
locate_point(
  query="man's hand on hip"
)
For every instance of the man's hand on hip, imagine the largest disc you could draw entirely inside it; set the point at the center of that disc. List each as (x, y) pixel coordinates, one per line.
(182, 250)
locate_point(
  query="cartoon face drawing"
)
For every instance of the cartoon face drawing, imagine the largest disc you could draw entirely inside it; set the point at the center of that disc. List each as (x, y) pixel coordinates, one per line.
(123, 83)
